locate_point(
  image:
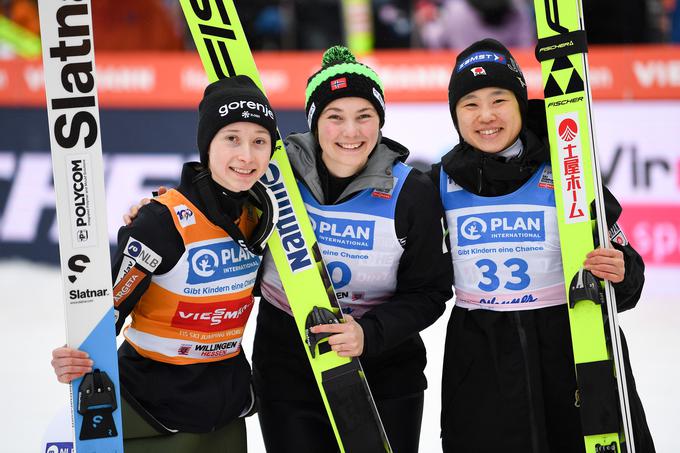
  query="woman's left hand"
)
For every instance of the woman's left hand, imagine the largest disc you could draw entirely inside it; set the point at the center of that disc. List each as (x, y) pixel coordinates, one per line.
(607, 264)
(347, 339)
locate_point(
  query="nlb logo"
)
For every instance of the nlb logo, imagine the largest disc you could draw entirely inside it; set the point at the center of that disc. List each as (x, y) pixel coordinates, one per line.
(567, 129)
(134, 248)
(348, 234)
(218, 261)
(501, 227)
(142, 255)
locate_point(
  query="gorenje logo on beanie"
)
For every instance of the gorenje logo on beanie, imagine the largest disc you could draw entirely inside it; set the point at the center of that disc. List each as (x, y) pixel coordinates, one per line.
(242, 105)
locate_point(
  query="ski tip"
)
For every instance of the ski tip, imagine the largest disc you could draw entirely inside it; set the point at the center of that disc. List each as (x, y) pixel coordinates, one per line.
(337, 54)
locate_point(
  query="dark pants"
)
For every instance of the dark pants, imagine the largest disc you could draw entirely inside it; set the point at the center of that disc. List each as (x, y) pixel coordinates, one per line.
(303, 426)
(509, 385)
(141, 436)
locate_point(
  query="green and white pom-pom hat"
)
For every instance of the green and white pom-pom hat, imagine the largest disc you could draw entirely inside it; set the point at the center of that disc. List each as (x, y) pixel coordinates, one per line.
(341, 76)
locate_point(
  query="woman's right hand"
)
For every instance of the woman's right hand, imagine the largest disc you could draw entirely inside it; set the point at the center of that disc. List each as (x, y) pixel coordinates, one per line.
(129, 216)
(70, 364)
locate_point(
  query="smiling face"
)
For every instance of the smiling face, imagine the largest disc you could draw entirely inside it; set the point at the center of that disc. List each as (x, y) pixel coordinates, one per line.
(239, 154)
(489, 119)
(348, 131)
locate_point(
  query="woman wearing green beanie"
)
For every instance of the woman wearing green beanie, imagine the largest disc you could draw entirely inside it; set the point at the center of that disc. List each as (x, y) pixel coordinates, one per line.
(378, 225)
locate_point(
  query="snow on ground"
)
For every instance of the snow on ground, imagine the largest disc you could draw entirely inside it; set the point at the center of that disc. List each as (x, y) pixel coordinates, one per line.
(32, 324)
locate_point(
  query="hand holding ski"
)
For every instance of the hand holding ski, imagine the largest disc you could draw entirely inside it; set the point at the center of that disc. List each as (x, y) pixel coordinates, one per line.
(607, 264)
(347, 337)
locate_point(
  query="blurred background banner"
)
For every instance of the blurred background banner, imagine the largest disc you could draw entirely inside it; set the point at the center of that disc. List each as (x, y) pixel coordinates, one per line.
(148, 125)
(176, 79)
(150, 81)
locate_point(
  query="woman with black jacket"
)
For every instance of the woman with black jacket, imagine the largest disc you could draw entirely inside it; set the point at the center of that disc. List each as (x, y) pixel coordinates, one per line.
(184, 271)
(508, 381)
(378, 225)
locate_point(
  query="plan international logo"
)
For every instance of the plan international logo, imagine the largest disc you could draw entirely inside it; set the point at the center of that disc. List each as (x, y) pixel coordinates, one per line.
(344, 233)
(501, 227)
(214, 262)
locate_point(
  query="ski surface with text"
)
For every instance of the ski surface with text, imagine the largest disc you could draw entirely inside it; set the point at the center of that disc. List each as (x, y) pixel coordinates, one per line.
(75, 142)
(602, 393)
(224, 52)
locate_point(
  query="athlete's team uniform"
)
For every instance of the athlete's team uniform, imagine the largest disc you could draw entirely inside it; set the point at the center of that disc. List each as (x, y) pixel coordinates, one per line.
(188, 289)
(380, 235)
(508, 377)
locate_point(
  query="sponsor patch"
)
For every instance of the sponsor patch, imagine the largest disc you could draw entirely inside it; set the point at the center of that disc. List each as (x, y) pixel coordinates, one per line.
(255, 108)
(570, 152)
(345, 233)
(127, 285)
(125, 266)
(506, 226)
(212, 317)
(310, 115)
(546, 181)
(185, 215)
(143, 255)
(212, 262)
(481, 57)
(385, 193)
(617, 236)
(380, 99)
(81, 203)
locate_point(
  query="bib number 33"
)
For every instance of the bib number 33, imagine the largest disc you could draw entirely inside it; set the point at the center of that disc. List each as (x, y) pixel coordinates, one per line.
(519, 279)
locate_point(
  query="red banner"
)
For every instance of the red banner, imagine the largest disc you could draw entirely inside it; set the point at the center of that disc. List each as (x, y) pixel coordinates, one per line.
(176, 80)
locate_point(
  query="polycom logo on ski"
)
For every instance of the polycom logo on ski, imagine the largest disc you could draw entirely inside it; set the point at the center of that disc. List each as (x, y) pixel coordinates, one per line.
(213, 262)
(350, 234)
(500, 227)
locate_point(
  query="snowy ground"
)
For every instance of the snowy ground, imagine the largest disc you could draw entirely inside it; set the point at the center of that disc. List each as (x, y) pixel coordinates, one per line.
(31, 325)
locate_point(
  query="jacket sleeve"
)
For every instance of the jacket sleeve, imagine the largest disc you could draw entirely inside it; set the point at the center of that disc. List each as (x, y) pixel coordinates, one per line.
(629, 290)
(150, 245)
(424, 274)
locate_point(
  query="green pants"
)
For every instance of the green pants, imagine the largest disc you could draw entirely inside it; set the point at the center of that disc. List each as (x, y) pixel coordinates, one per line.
(140, 437)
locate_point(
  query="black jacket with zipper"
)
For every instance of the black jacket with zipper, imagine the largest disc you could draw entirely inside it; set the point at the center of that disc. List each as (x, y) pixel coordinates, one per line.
(508, 377)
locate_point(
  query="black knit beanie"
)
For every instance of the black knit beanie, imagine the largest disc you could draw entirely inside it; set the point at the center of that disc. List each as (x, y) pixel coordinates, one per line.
(229, 101)
(486, 63)
(341, 76)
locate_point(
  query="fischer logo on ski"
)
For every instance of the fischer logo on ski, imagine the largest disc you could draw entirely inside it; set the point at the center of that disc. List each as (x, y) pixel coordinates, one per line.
(562, 52)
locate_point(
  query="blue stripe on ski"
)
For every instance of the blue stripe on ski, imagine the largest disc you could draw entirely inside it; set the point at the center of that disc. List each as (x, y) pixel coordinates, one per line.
(98, 345)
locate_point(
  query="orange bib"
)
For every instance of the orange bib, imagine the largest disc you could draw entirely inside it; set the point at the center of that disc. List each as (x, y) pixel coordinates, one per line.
(197, 311)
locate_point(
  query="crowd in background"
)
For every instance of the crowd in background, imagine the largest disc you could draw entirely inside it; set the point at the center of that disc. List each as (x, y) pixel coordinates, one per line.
(318, 24)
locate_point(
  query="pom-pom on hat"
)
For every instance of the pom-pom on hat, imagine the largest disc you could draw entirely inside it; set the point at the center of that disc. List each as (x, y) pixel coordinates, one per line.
(340, 76)
(229, 101)
(486, 63)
